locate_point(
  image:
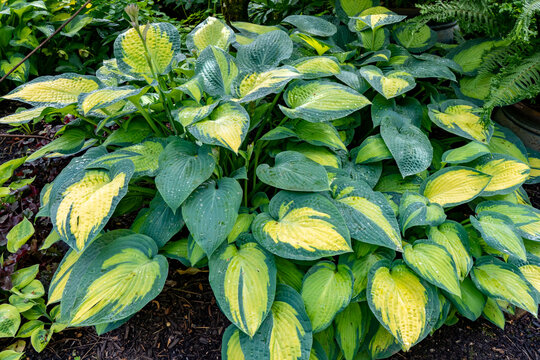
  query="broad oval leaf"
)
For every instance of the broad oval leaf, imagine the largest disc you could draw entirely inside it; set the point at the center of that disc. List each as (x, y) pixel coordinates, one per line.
(434, 263)
(295, 172)
(227, 126)
(372, 149)
(112, 279)
(24, 116)
(302, 226)
(503, 281)
(351, 328)
(184, 161)
(103, 98)
(454, 185)
(383, 344)
(289, 274)
(230, 344)
(286, 332)
(243, 279)
(19, 235)
(161, 47)
(507, 173)
(389, 85)
(10, 319)
(249, 86)
(55, 91)
(265, 52)
(211, 210)
(505, 142)
(416, 210)
(311, 25)
(465, 153)
(350, 8)
(218, 70)
(320, 155)
(493, 313)
(410, 320)
(408, 107)
(318, 101)
(326, 291)
(317, 66)
(211, 32)
(414, 38)
(319, 134)
(525, 218)
(191, 114)
(472, 301)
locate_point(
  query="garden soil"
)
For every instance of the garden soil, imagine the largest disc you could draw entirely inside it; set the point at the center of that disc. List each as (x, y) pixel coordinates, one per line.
(185, 323)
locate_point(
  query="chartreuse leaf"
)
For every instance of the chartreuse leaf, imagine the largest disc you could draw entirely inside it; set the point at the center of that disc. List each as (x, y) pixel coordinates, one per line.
(434, 263)
(243, 279)
(403, 303)
(289, 274)
(211, 210)
(285, 333)
(161, 47)
(71, 141)
(470, 54)
(317, 66)
(182, 160)
(190, 114)
(311, 25)
(227, 126)
(471, 303)
(249, 86)
(416, 210)
(454, 185)
(11, 354)
(534, 163)
(10, 319)
(19, 235)
(301, 226)
(503, 281)
(383, 344)
(193, 87)
(507, 173)
(28, 328)
(367, 213)
(461, 117)
(217, 70)
(55, 91)
(320, 155)
(350, 8)
(493, 313)
(375, 17)
(465, 153)
(24, 276)
(326, 339)
(324, 134)
(525, 218)
(194, 252)
(505, 142)
(230, 344)
(81, 207)
(22, 117)
(409, 146)
(112, 279)
(241, 226)
(351, 328)
(250, 28)
(374, 40)
(498, 231)
(414, 38)
(326, 291)
(453, 237)
(211, 32)
(318, 101)
(372, 149)
(295, 172)
(103, 98)
(531, 271)
(389, 85)
(317, 352)
(265, 52)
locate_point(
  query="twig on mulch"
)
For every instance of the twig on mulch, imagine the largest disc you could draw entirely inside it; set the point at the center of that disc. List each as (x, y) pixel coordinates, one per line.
(25, 136)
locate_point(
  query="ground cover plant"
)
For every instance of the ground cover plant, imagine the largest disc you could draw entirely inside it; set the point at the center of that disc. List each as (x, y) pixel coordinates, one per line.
(346, 201)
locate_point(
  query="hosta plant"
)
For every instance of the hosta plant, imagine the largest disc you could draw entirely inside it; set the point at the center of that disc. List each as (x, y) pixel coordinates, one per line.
(346, 204)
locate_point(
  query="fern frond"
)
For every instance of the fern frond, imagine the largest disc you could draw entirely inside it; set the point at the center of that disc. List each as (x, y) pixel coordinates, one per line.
(515, 83)
(522, 29)
(500, 57)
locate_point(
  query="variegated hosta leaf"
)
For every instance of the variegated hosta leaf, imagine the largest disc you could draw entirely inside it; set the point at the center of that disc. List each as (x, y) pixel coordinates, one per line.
(460, 117)
(433, 263)
(429, 68)
(505, 142)
(493, 313)
(102, 98)
(381, 55)
(295, 172)
(372, 149)
(144, 157)
(211, 32)
(416, 210)
(191, 114)
(383, 344)
(470, 54)
(498, 231)
(162, 40)
(534, 163)
(227, 126)
(324, 134)
(454, 185)
(389, 85)
(531, 271)
(230, 344)
(243, 279)
(251, 86)
(10, 320)
(289, 274)
(110, 75)
(301, 226)
(265, 52)
(409, 108)
(349, 8)
(210, 212)
(351, 328)
(318, 101)
(453, 237)
(317, 66)
(326, 291)
(465, 153)
(253, 29)
(504, 281)
(374, 40)
(127, 274)
(327, 341)
(525, 218)
(404, 304)
(317, 351)
(193, 87)
(507, 173)
(472, 301)
(81, 207)
(409, 146)
(367, 213)
(241, 226)
(183, 166)
(413, 38)
(375, 19)
(286, 332)
(311, 25)
(54, 91)
(22, 117)
(218, 70)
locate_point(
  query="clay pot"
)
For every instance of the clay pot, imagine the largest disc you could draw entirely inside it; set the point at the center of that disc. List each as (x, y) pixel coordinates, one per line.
(523, 120)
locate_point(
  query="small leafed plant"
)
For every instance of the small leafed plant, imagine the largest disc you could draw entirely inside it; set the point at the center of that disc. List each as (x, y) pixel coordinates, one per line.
(346, 202)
